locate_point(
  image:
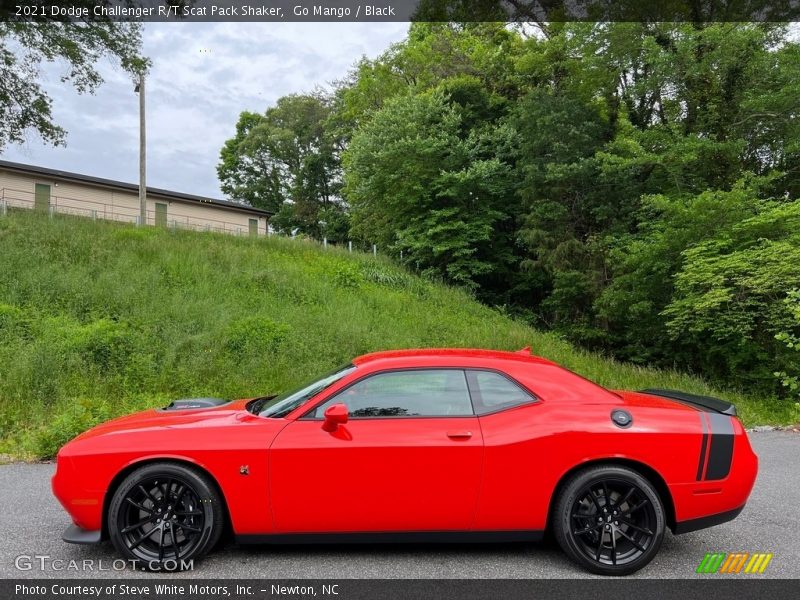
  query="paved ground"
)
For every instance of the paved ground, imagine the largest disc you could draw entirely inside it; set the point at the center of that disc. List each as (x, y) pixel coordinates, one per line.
(32, 523)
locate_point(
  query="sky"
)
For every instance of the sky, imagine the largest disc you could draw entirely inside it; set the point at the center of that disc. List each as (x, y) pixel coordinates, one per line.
(203, 76)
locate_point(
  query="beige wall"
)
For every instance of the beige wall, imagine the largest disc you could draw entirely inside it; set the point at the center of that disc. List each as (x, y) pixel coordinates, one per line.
(105, 203)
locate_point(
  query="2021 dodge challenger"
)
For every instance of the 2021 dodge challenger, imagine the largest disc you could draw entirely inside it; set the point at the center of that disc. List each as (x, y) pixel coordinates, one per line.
(437, 445)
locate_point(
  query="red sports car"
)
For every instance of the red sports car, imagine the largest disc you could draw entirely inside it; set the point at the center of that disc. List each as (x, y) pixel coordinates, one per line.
(436, 445)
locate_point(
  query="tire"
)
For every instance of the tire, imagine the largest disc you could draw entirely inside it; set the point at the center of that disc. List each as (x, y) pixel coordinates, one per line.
(596, 537)
(165, 515)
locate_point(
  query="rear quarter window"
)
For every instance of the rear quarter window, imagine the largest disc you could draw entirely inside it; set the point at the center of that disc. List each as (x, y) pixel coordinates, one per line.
(492, 392)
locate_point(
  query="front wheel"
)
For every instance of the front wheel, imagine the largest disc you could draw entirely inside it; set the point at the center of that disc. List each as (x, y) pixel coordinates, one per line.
(610, 520)
(165, 515)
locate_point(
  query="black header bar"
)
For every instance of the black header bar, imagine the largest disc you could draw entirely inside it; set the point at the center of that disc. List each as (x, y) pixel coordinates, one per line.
(519, 11)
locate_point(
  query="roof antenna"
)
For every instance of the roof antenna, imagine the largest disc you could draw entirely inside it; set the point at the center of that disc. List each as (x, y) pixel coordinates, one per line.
(526, 351)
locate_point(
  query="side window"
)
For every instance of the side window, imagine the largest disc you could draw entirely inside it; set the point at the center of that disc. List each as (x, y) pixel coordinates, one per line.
(492, 392)
(416, 393)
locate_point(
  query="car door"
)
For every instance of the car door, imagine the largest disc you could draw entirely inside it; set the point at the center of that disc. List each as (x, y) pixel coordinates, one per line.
(408, 459)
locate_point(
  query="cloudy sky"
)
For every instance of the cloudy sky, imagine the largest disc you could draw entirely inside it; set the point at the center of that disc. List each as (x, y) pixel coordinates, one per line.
(203, 76)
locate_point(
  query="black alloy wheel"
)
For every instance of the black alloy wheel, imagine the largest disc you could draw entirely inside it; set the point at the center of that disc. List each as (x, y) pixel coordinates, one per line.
(165, 515)
(610, 520)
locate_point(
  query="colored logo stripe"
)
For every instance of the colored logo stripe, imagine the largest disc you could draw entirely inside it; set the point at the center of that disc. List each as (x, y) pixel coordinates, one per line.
(734, 562)
(758, 563)
(711, 562)
(720, 562)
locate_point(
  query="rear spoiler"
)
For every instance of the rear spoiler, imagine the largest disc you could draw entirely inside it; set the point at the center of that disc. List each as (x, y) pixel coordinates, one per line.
(705, 403)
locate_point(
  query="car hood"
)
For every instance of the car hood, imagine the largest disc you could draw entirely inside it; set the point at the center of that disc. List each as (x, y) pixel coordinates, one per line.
(169, 417)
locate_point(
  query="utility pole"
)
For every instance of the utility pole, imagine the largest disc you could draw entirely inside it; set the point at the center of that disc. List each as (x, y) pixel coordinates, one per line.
(142, 153)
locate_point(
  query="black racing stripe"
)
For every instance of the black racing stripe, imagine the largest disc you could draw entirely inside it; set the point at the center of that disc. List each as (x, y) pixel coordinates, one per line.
(720, 454)
(702, 447)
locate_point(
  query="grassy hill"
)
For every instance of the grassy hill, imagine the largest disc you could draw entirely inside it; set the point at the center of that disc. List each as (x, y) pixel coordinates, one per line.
(99, 319)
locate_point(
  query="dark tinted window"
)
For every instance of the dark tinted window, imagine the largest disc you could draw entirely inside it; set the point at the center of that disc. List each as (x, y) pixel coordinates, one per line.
(492, 392)
(417, 393)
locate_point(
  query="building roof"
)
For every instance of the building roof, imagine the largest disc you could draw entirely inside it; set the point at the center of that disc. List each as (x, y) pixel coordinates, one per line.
(129, 187)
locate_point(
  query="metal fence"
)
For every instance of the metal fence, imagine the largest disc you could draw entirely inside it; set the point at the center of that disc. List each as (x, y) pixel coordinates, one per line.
(20, 199)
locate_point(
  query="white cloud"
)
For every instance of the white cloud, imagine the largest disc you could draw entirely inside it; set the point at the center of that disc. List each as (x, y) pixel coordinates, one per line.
(203, 76)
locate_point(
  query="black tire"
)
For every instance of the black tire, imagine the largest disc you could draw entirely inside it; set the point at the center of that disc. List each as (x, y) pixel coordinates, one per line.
(165, 515)
(609, 520)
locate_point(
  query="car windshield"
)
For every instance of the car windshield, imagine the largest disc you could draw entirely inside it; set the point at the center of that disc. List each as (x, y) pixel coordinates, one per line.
(281, 405)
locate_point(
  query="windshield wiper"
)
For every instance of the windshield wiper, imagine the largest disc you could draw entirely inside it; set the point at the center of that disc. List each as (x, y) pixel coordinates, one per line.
(256, 405)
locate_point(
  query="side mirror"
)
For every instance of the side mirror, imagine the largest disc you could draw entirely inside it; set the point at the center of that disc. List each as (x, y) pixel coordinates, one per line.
(335, 415)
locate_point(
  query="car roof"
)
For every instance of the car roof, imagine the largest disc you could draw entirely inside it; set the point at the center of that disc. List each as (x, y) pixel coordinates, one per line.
(523, 355)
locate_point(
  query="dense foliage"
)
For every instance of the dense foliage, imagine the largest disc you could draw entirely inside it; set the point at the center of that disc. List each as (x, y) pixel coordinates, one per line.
(99, 319)
(631, 186)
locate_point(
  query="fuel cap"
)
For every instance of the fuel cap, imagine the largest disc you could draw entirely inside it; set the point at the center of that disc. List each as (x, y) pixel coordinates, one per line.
(621, 418)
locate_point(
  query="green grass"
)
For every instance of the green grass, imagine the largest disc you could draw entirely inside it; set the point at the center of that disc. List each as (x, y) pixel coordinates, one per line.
(99, 319)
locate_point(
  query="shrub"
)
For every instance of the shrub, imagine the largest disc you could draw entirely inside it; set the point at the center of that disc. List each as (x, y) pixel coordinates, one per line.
(791, 380)
(728, 305)
(13, 322)
(254, 335)
(347, 275)
(74, 418)
(388, 277)
(103, 343)
(107, 344)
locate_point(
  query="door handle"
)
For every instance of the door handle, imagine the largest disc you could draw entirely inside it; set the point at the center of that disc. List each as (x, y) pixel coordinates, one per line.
(459, 435)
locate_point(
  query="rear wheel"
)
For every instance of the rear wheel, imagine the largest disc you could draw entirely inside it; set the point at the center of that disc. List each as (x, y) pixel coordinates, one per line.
(610, 520)
(164, 515)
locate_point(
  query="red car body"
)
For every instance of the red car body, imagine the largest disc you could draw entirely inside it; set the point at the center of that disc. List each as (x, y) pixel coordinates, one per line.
(494, 473)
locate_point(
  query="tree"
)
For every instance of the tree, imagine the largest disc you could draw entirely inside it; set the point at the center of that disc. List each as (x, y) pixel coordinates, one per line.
(417, 184)
(643, 266)
(247, 170)
(791, 339)
(432, 54)
(624, 112)
(563, 207)
(287, 161)
(24, 47)
(731, 295)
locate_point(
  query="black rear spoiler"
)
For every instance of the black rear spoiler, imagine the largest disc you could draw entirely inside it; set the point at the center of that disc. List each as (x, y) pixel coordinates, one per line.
(706, 403)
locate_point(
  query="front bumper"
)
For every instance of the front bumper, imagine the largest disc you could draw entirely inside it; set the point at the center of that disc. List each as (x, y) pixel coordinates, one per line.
(76, 535)
(85, 507)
